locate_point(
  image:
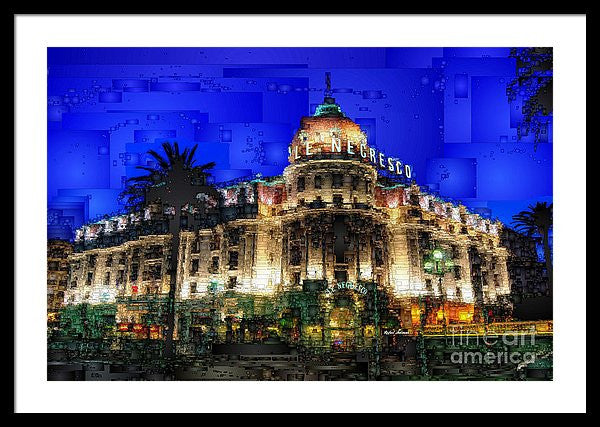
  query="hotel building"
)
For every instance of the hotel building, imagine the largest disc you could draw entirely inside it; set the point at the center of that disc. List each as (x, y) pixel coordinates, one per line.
(338, 248)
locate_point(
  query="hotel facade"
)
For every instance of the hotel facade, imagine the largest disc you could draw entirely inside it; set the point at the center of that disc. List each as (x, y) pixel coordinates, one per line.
(339, 249)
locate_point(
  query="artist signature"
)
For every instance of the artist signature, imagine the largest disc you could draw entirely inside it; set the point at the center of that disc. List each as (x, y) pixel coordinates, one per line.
(395, 332)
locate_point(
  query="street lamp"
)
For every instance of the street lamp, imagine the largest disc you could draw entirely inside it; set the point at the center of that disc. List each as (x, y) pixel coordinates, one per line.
(438, 263)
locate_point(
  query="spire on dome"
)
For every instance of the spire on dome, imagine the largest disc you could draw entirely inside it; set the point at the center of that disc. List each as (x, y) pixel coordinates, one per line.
(328, 108)
(328, 98)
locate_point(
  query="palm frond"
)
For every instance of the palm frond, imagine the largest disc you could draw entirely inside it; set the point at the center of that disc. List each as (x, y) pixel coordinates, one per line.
(168, 149)
(190, 160)
(537, 219)
(141, 178)
(147, 168)
(162, 162)
(184, 157)
(205, 167)
(135, 193)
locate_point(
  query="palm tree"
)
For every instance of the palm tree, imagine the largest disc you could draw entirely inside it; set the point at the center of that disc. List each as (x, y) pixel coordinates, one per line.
(175, 165)
(176, 181)
(538, 219)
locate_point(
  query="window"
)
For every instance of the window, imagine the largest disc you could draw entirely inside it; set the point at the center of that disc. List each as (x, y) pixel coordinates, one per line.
(214, 266)
(233, 260)
(196, 246)
(193, 287)
(318, 181)
(195, 263)
(338, 199)
(458, 292)
(133, 275)
(301, 184)
(295, 255)
(338, 180)
(378, 252)
(455, 252)
(154, 252)
(341, 276)
(234, 236)
(156, 271)
(183, 221)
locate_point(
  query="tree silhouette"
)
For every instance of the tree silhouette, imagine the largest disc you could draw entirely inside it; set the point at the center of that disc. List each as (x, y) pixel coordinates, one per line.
(533, 82)
(176, 165)
(175, 182)
(538, 219)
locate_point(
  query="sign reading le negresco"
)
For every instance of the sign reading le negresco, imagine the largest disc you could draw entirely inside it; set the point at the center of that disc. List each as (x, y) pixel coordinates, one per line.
(379, 159)
(347, 285)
